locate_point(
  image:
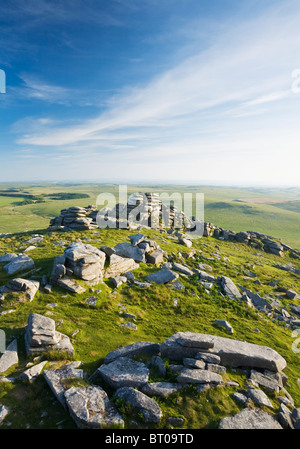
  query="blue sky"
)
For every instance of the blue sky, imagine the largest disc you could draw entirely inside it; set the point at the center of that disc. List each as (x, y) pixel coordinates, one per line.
(193, 91)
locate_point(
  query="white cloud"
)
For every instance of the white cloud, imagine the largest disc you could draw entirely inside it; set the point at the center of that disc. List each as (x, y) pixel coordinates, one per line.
(234, 98)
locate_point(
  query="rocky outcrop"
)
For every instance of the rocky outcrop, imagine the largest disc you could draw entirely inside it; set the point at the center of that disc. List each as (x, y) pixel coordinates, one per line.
(41, 336)
(75, 218)
(233, 353)
(26, 289)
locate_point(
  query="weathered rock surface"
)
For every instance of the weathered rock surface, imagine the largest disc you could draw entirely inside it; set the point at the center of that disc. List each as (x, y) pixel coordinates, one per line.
(19, 263)
(26, 288)
(10, 357)
(163, 276)
(85, 261)
(250, 419)
(41, 336)
(260, 398)
(33, 372)
(91, 408)
(138, 400)
(133, 252)
(57, 379)
(119, 265)
(229, 288)
(138, 348)
(199, 376)
(123, 372)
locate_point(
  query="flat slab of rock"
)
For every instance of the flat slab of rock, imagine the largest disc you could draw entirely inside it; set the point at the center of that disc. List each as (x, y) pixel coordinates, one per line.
(138, 348)
(250, 419)
(198, 376)
(233, 353)
(124, 372)
(140, 401)
(162, 276)
(162, 389)
(70, 285)
(21, 262)
(10, 357)
(260, 398)
(133, 252)
(182, 269)
(91, 408)
(33, 372)
(229, 288)
(56, 379)
(119, 265)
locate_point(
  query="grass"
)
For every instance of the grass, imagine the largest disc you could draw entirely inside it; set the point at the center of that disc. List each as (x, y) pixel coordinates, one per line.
(157, 319)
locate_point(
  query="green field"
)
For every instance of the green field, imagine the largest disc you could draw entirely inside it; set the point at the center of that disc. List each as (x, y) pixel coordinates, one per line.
(272, 211)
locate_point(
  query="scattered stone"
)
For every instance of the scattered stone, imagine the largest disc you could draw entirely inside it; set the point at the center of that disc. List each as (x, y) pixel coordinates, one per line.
(70, 285)
(162, 389)
(158, 363)
(269, 384)
(229, 288)
(239, 397)
(215, 368)
(233, 353)
(133, 252)
(118, 281)
(129, 325)
(162, 276)
(175, 421)
(260, 398)
(193, 363)
(10, 357)
(225, 324)
(4, 411)
(182, 269)
(138, 400)
(33, 372)
(291, 294)
(208, 357)
(156, 257)
(91, 300)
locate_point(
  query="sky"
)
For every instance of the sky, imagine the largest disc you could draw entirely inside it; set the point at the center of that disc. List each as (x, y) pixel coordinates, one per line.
(166, 91)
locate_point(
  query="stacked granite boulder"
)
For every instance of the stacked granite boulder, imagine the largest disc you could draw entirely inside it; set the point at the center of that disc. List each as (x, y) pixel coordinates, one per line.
(25, 289)
(75, 218)
(41, 336)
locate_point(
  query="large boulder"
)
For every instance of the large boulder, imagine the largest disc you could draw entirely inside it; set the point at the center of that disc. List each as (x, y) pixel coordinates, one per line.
(141, 402)
(233, 353)
(27, 289)
(123, 372)
(41, 336)
(91, 408)
(85, 261)
(229, 288)
(133, 252)
(19, 263)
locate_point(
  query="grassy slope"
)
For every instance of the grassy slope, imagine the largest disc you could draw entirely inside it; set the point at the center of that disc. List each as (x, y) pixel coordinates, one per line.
(157, 319)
